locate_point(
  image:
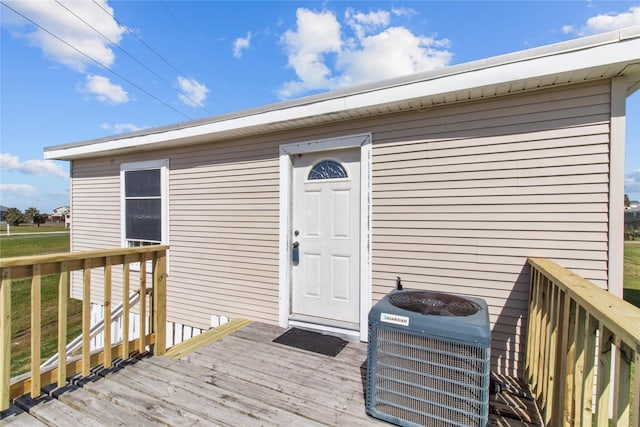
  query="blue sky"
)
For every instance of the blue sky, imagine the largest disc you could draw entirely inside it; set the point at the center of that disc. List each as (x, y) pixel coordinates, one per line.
(96, 68)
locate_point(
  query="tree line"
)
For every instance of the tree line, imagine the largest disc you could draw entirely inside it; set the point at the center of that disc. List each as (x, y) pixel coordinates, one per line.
(15, 216)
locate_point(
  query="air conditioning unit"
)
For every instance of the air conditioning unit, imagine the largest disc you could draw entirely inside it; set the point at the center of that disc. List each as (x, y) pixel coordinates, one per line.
(428, 361)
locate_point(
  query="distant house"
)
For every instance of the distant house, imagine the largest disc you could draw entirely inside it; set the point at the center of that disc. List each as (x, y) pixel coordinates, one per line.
(60, 214)
(305, 212)
(632, 219)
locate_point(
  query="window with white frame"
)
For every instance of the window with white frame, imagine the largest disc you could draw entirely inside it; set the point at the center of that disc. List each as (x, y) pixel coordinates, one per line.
(144, 203)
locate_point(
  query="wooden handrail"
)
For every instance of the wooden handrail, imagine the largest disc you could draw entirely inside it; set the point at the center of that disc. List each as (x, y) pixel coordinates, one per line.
(35, 267)
(581, 338)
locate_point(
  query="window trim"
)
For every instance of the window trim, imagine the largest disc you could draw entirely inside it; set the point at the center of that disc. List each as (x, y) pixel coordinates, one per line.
(163, 165)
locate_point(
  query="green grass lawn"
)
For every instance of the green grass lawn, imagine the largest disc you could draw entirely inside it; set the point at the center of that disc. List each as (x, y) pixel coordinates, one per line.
(33, 245)
(21, 302)
(632, 272)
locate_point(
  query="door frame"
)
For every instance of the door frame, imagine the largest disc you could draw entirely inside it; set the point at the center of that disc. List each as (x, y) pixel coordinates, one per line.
(363, 141)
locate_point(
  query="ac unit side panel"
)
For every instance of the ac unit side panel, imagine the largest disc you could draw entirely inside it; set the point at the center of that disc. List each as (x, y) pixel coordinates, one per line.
(416, 377)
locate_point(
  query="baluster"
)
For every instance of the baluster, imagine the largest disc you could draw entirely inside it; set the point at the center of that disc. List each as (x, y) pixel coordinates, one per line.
(580, 331)
(622, 384)
(143, 302)
(63, 294)
(86, 318)
(531, 328)
(552, 380)
(603, 393)
(125, 309)
(567, 354)
(592, 325)
(636, 389)
(36, 281)
(107, 313)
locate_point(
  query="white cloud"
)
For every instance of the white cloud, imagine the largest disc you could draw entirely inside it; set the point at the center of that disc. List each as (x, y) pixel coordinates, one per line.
(632, 182)
(121, 127)
(19, 189)
(56, 19)
(392, 53)
(607, 22)
(364, 24)
(610, 22)
(104, 90)
(9, 162)
(568, 29)
(324, 57)
(316, 35)
(241, 44)
(194, 93)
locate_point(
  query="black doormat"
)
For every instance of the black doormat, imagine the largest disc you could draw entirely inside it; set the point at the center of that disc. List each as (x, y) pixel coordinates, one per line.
(312, 341)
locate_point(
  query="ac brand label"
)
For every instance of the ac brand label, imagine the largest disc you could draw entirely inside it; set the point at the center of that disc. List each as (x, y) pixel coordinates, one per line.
(394, 318)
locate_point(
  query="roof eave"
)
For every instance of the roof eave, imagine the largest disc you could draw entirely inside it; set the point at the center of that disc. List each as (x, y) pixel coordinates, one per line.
(604, 56)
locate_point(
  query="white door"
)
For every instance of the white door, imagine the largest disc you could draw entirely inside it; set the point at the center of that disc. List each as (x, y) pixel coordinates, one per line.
(326, 236)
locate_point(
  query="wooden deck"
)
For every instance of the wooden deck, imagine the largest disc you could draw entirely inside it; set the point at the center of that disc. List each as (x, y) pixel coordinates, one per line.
(243, 379)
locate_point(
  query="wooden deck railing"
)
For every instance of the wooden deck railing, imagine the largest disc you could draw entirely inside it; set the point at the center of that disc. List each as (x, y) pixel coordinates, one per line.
(35, 267)
(583, 350)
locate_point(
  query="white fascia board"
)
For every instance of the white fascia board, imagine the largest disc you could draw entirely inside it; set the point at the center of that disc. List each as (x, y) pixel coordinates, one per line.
(137, 142)
(460, 79)
(523, 70)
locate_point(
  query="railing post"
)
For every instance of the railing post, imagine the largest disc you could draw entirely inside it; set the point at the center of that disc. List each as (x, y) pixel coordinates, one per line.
(160, 302)
(5, 338)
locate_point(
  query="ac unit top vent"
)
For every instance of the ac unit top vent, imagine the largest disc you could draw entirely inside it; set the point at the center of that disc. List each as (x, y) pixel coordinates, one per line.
(434, 303)
(452, 317)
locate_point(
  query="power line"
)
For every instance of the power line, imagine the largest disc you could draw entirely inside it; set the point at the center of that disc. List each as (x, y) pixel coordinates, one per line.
(131, 56)
(184, 27)
(173, 67)
(95, 61)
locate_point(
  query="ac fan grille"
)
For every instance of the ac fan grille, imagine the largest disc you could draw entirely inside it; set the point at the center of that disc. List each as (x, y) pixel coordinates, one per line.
(429, 381)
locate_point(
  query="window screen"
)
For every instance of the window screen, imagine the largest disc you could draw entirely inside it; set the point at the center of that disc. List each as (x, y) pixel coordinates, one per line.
(144, 221)
(142, 183)
(143, 206)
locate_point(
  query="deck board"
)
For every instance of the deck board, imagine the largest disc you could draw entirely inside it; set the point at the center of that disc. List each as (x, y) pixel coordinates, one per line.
(21, 420)
(56, 413)
(240, 379)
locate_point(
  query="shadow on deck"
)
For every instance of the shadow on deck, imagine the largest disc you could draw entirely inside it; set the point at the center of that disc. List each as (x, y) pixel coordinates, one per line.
(242, 379)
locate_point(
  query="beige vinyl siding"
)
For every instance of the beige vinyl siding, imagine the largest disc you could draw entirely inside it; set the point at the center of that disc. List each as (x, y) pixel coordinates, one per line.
(461, 201)
(462, 195)
(95, 215)
(224, 223)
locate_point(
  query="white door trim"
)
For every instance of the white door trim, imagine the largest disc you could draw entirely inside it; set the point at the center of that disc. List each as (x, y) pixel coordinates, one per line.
(364, 142)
